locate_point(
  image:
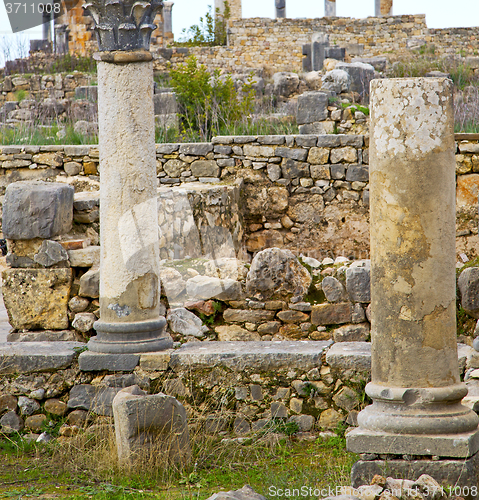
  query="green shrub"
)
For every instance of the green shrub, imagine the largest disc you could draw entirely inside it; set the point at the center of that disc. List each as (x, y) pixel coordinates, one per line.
(211, 30)
(208, 103)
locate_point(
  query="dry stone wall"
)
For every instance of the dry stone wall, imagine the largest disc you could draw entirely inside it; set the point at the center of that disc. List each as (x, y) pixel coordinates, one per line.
(273, 45)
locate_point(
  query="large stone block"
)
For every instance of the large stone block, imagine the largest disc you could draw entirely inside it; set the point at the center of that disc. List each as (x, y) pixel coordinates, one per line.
(150, 425)
(361, 74)
(312, 107)
(285, 84)
(165, 103)
(332, 314)
(37, 209)
(468, 284)
(276, 272)
(37, 298)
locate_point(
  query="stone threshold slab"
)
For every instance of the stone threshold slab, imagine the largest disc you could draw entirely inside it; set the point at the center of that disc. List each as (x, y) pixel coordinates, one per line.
(29, 357)
(446, 445)
(459, 476)
(236, 356)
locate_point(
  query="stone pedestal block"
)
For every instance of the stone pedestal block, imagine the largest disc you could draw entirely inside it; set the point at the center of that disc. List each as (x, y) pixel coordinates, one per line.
(416, 387)
(149, 426)
(37, 209)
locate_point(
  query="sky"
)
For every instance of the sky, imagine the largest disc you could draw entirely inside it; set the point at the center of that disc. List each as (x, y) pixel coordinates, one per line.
(439, 13)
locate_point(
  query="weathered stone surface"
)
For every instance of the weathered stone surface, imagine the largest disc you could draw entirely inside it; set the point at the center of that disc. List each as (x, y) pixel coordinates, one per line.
(7, 402)
(83, 321)
(329, 419)
(172, 282)
(72, 168)
(312, 107)
(30, 357)
(247, 315)
(150, 424)
(50, 253)
(55, 407)
(258, 151)
(185, 322)
(37, 209)
(292, 316)
(90, 284)
(50, 159)
(97, 399)
(78, 304)
(86, 200)
(93, 361)
(11, 422)
(285, 84)
(275, 272)
(207, 287)
(205, 168)
(85, 257)
(77, 417)
(459, 473)
(333, 289)
(318, 156)
(352, 333)
(264, 356)
(336, 80)
(269, 328)
(35, 422)
(37, 298)
(306, 208)
(468, 284)
(350, 355)
(173, 168)
(27, 406)
(467, 189)
(245, 493)
(293, 169)
(196, 149)
(305, 422)
(347, 399)
(361, 74)
(43, 336)
(331, 314)
(347, 154)
(358, 281)
(235, 332)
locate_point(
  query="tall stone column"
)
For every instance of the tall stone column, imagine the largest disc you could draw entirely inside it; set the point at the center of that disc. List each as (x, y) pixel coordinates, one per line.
(415, 388)
(280, 6)
(383, 8)
(167, 18)
(129, 263)
(329, 8)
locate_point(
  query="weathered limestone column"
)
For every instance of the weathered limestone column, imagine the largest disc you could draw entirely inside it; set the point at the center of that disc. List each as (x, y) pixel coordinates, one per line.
(415, 388)
(129, 264)
(167, 18)
(383, 8)
(280, 6)
(329, 8)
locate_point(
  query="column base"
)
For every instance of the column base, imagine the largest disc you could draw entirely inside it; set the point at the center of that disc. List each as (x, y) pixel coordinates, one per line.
(130, 338)
(459, 477)
(464, 445)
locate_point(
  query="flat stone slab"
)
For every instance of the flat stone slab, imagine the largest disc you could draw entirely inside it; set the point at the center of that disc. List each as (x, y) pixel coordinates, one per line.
(357, 356)
(442, 445)
(350, 356)
(95, 361)
(455, 473)
(261, 356)
(29, 357)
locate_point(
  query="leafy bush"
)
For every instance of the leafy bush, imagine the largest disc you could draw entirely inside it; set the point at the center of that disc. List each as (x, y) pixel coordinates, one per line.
(211, 30)
(208, 103)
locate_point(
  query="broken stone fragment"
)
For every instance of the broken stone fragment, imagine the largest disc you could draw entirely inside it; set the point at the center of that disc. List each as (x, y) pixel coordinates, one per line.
(185, 322)
(50, 253)
(149, 425)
